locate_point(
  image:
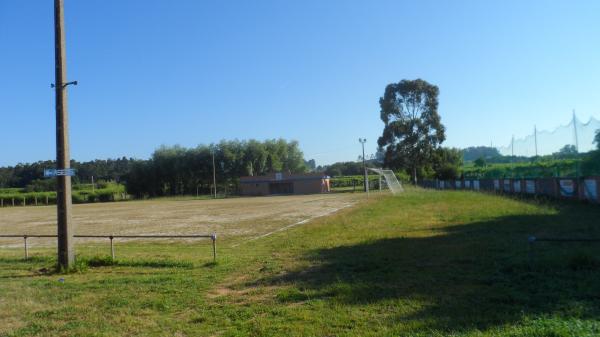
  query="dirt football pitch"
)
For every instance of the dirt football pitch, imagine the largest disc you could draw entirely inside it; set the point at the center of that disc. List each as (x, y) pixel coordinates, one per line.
(234, 219)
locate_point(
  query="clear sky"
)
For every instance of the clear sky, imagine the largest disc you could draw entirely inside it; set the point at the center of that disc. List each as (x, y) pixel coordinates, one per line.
(191, 72)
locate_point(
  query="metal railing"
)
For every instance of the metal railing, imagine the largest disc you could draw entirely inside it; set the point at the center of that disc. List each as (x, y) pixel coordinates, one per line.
(212, 236)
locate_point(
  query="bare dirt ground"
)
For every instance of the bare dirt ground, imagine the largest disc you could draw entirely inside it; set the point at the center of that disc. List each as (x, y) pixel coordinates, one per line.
(242, 218)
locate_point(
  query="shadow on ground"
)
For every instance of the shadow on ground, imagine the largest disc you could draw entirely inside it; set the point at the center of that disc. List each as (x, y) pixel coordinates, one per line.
(474, 275)
(45, 266)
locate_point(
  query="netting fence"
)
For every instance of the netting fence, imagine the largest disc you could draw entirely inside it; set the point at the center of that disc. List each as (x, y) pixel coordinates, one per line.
(540, 143)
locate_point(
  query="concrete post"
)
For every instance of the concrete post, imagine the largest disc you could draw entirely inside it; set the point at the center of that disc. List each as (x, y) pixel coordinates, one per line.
(66, 254)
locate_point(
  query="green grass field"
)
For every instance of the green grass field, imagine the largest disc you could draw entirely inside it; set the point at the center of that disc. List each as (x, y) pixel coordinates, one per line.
(427, 263)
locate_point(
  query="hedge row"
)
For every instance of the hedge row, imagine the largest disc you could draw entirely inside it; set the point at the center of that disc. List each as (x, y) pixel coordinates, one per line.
(8, 197)
(351, 181)
(537, 169)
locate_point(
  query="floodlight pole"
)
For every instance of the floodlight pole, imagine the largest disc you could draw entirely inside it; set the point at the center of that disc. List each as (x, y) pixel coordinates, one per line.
(362, 142)
(66, 253)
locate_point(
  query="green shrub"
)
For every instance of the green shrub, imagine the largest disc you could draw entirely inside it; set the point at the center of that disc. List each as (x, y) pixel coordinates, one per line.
(105, 195)
(79, 198)
(447, 172)
(403, 176)
(92, 197)
(41, 185)
(591, 164)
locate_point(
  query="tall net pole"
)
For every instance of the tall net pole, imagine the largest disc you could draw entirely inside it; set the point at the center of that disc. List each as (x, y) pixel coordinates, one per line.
(575, 132)
(576, 142)
(512, 151)
(66, 253)
(535, 137)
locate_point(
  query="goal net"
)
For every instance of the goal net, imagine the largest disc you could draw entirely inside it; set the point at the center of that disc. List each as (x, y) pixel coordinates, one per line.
(390, 180)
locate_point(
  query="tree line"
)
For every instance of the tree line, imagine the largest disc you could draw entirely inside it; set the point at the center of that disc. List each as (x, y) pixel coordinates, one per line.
(172, 170)
(31, 175)
(176, 170)
(348, 168)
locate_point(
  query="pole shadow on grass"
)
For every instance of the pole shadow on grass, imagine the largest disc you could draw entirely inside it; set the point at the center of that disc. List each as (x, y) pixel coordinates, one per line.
(472, 275)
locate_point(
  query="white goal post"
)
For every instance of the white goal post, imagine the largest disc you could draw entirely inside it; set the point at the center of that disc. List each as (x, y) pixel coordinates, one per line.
(390, 180)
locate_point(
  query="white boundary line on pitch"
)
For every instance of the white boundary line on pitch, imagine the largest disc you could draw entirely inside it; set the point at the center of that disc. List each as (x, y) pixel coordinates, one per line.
(293, 225)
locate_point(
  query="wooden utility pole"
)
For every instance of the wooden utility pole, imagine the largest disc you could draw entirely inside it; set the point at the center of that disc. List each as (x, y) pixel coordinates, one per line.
(66, 253)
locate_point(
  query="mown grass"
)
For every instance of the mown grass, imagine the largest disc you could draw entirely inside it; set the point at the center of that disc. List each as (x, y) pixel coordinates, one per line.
(427, 263)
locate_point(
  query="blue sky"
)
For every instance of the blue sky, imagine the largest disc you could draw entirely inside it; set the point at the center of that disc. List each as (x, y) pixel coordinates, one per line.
(191, 72)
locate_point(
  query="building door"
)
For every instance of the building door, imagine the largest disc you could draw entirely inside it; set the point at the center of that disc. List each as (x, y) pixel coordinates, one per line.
(281, 188)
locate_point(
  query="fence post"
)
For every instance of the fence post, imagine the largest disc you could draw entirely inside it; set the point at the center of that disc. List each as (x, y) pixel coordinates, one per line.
(213, 237)
(112, 247)
(26, 248)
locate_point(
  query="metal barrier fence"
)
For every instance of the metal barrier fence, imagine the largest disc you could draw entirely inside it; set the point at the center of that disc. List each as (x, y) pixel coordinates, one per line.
(213, 238)
(585, 188)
